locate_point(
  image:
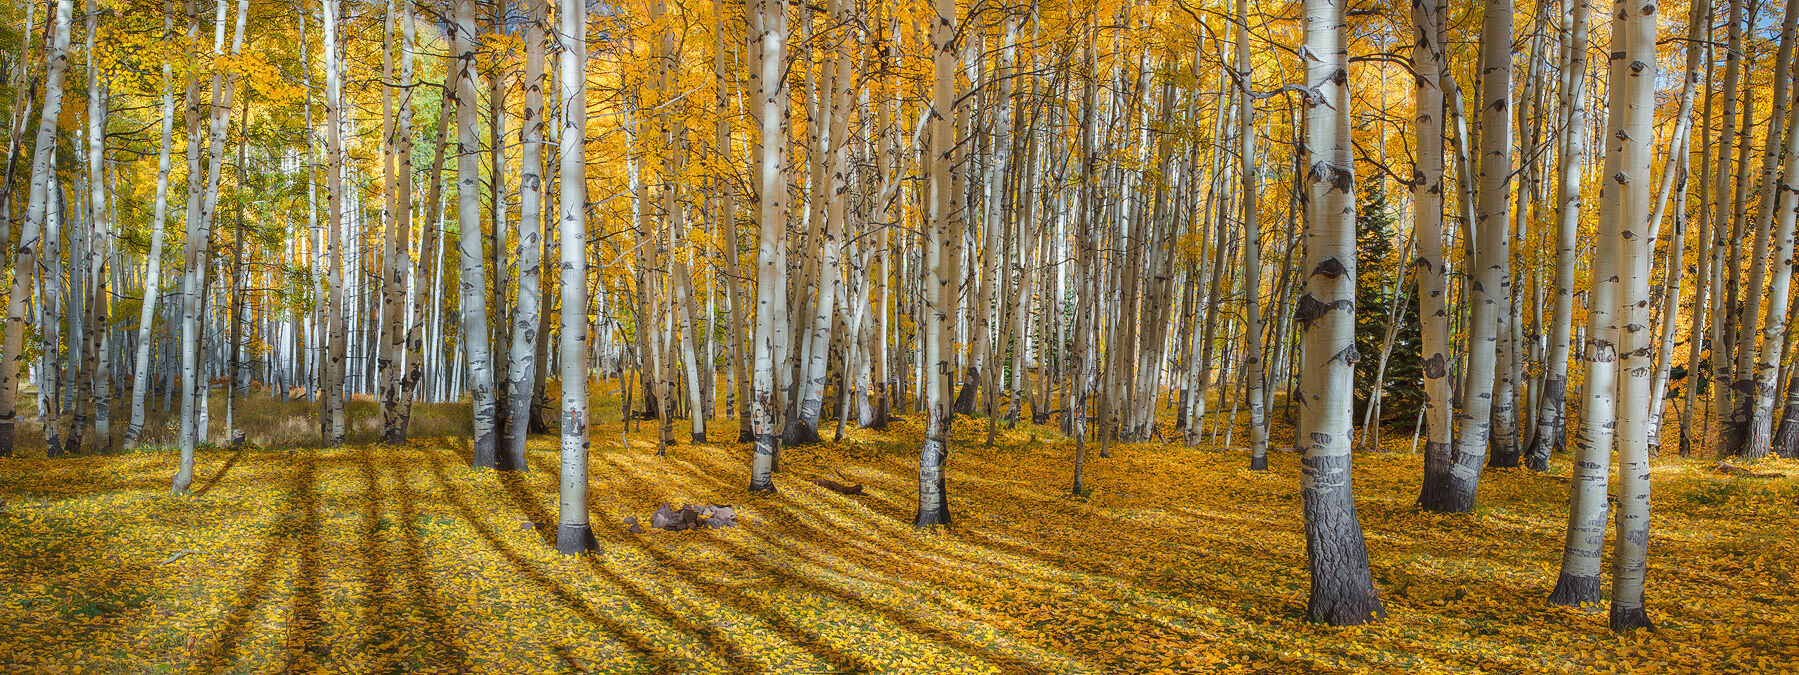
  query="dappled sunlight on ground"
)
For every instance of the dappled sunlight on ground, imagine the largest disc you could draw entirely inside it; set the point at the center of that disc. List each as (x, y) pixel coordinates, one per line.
(377, 558)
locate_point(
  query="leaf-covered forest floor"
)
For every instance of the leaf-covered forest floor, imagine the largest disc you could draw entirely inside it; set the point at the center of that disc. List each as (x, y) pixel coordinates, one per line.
(387, 559)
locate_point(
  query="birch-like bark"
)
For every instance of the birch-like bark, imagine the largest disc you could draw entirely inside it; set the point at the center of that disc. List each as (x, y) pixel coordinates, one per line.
(202, 200)
(140, 379)
(56, 59)
(473, 278)
(1774, 325)
(1675, 180)
(94, 265)
(522, 373)
(1583, 545)
(942, 242)
(397, 176)
(833, 155)
(1634, 70)
(574, 535)
(1740, 428)
(1252, 244)
(1552, 402)
(332, 418)
(726, 224)
(1430, 269)
(1342, 591)
(1487, 297)
(1723, 243)
(768, 23)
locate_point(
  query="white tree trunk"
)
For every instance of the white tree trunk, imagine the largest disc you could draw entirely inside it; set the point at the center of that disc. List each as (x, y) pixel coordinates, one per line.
(1342, 592)
(56, 58)
(473, 279)
(1626, 193)
(332, 419)
(522, 373)
(1551, 425)
(574, 535)
(768, 22)
(1487, 297)
(140, 379)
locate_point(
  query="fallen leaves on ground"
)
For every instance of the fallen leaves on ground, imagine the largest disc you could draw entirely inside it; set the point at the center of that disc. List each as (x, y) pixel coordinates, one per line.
(383, 559)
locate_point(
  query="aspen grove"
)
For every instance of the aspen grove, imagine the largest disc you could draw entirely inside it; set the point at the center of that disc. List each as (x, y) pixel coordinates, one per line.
(1495, 272)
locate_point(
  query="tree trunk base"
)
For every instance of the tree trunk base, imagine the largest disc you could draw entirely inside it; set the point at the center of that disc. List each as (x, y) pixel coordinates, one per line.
(699, 437)
(575, 539)
(965, 398)
(800, 433)
(930, 520)
(1258, 462)
(1574, 591)
(1537, 458)
(1786, 441)
(1630, 618)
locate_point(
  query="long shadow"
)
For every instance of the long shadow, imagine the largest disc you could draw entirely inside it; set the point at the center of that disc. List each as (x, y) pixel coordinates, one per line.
(449, 649)
(534, 512)
(305, 644)
(223, 469)
(382, 643)
(1127, 600)
(750, 604)
(638, 643)
(256, 589)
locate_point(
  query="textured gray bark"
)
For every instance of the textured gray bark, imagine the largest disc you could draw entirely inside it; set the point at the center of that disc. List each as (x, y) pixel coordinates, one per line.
(56, 58)
(574, 535)
(473, 279)
(1627, 193)
(527, 316)
(768, 23)
(1342, 591)
(1487, 293)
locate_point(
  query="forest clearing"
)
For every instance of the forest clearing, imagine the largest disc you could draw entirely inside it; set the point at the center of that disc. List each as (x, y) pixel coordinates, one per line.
(374, 558)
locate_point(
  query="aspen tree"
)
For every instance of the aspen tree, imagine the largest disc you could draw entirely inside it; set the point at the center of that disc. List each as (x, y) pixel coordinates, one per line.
(397, 179)
(1738, 431)
(37, 207)
(1488, 277)
(332, 417)
(1774, 326)
(1252, 246)
(574, 535)
(1552, 402)
(1583, 545)
(522, 371)
(1722, 314)
(93, 321)
(768, 22)
(1430, 269)
(473, 282)
(1675, 179)
(942, 242)
(1626, 193)
(202, 197)
(725, 213)
(1342, 591)
(140, 390)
